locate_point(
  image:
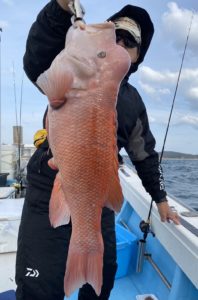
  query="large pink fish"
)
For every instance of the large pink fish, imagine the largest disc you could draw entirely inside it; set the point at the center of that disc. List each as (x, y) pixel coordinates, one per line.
(82, 86)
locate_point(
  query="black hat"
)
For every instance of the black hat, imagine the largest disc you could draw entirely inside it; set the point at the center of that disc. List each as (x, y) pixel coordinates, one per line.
(143, 19)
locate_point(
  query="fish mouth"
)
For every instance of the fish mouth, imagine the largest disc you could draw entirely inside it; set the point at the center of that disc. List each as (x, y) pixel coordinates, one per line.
(105, 25)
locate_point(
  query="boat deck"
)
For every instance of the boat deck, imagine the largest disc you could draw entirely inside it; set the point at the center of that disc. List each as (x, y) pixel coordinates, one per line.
(123, 289)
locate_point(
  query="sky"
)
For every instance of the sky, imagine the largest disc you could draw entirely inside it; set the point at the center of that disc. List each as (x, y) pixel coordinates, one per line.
(155, 79)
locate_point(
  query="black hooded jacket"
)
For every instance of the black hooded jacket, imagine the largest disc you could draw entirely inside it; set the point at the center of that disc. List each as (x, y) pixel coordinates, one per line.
(47, 38)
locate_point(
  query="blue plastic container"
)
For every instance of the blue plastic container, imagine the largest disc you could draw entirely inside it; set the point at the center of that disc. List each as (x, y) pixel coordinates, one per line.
(8, 295)
(126, 249)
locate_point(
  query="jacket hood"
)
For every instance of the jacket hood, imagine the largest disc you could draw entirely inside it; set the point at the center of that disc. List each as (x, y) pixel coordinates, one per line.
(141, 16)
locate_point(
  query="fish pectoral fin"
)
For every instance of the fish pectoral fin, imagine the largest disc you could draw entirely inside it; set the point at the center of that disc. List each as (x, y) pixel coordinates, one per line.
(84, 266)
(115, 196)
(59, 212)
(56, 81)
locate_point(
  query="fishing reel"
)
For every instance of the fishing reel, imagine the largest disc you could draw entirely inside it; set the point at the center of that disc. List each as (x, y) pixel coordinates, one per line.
(141, 254)
(145, 227)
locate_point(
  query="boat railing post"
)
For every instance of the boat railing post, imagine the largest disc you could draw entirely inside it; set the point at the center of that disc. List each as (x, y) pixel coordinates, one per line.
(140, 255)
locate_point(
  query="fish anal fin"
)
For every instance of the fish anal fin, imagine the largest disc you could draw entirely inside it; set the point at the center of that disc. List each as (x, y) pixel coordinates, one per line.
(115, 196)
(52, 164)
(59, 212)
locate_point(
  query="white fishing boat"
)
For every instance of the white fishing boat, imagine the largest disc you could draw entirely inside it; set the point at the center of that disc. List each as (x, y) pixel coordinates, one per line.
(163, 267)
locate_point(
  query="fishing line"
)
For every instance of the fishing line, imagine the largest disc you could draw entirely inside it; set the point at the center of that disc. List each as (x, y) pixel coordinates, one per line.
(15, 97)
(21, 100)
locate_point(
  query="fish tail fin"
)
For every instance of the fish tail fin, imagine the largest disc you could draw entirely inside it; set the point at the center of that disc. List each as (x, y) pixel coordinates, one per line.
(59, 212)
(84, 266)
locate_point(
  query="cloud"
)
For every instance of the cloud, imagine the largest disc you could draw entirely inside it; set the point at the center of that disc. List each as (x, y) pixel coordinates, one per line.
(190, 120)
(194, 93)
(160, 117)
(176, 22)
(152, 91)
(192, 96)
(152, 119)
(168, 77)
(157, 77)
(147, 88)
(162, 83)
(190, 75)
(3, 24)
(8, 2)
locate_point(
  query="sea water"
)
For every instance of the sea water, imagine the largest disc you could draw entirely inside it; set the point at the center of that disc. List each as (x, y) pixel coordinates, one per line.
(181, 179)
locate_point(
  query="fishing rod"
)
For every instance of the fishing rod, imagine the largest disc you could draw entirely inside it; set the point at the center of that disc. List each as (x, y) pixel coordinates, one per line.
(173, 102)
(20, 132)
(18, 125)
(177, 84)
(145, 226)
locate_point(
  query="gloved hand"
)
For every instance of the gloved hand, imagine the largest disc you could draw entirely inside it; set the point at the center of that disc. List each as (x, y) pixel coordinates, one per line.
(77, 9)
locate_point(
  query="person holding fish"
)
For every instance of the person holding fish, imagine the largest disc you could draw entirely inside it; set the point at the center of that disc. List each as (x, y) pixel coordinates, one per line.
(67, 233)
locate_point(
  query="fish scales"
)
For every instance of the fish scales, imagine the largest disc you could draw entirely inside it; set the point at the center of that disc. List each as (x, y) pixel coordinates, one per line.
(82, 86)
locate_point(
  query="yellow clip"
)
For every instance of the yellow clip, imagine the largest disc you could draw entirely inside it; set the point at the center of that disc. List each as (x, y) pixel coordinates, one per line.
(39, 137)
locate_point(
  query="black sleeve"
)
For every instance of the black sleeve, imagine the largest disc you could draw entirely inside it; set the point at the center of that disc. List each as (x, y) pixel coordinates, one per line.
(46, 39)
(150, 172)
(141, 150)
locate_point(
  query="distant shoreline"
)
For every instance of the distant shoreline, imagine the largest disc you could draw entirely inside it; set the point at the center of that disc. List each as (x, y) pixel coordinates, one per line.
(171, 155)
(179, 155)
(179, 158)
